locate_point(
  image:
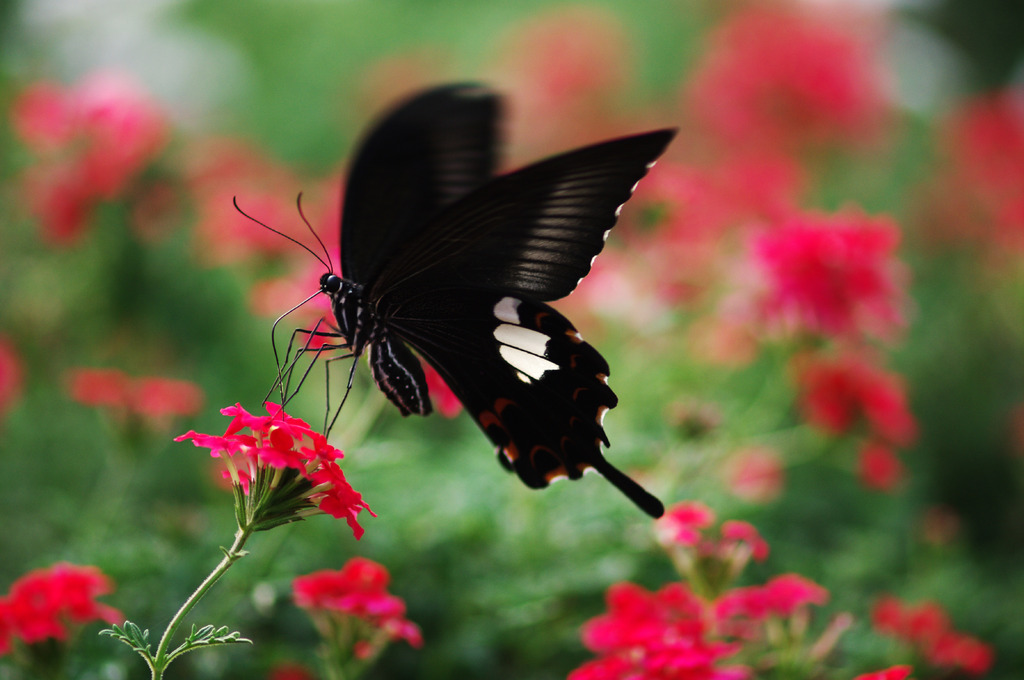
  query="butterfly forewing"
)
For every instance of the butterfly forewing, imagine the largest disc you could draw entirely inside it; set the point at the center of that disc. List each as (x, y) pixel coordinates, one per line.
(533, 232)
(430, 151)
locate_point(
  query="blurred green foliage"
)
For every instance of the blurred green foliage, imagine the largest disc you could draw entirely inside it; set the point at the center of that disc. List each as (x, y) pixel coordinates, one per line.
(499, 577)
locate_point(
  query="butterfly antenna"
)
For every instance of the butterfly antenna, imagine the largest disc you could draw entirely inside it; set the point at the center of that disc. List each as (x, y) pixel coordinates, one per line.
(234, 200)
(330, 263)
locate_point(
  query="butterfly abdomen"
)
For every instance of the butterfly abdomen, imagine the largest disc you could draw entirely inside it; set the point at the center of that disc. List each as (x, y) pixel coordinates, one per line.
(398, 373)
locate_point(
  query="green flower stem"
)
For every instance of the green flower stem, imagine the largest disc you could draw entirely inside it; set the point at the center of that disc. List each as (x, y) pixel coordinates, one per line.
(163, 657)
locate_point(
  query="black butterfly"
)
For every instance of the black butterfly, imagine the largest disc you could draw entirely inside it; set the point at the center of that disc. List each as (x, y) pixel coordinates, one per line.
(440, 255)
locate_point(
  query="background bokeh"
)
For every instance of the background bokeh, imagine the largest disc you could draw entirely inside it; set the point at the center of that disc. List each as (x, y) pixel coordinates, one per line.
(154, 274)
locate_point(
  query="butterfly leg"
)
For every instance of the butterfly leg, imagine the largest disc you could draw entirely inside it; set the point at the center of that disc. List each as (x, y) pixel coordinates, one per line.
(348, 388)
(286, 369)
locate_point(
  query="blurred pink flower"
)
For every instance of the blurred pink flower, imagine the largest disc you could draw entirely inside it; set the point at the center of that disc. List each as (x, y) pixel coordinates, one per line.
(927, 627)
(290, 671)
(755, 474)
(154, 399)
(979, 193)
(687, 219)
(562, 68)
(219, 171)
(838, 393)
(53, 602)
(780, 78)
(660, 635)
(879, 467)
(832, 275)
(356, 591)
(91, 140)
(683, 523)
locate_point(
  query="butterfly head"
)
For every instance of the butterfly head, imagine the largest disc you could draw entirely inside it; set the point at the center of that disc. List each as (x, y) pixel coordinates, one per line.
(330, 284)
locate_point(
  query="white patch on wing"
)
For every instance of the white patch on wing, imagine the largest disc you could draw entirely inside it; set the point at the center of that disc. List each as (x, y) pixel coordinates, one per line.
(522, 348)
(525, 362)
(507, 310)
(522, 338)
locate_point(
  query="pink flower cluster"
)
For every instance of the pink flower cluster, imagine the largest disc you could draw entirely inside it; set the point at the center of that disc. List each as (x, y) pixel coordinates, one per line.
(835, 276)
(849, 393)
(926, 627)
(683, 526)
(90, 140)
(53, 603)
(153, 398)
(979, 193)
(278, 442)
(779, 77)
(688, 630)
(664, 635)
(357, 593)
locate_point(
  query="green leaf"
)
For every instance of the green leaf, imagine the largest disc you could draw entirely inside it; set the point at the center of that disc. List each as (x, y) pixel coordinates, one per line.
(208, 636)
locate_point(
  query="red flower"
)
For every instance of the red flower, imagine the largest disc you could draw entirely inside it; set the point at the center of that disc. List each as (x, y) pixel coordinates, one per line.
(45, 603)
(980, 193)
(926, 626)
(953, 650)
(60, 197)
(40, 117)
(782, 597)
(100, 387)
(11, 375)
(660, 635)
(154, 399)
(290, 671)
(774, 77)
(894, 673)
(357, 590)
(281, 442)
(835, 394)
(708, 560)
(789, 592)
(683, 522)
(159, 398)
(880, 469)
(832, 275)
(736, 532)
(92, 140)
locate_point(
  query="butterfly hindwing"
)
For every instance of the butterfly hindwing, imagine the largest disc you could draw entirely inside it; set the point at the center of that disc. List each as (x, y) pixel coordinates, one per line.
(533, 232)
(536, 389)
(428, 152)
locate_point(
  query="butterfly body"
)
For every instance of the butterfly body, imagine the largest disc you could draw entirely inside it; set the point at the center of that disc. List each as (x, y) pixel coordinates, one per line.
(441, 256)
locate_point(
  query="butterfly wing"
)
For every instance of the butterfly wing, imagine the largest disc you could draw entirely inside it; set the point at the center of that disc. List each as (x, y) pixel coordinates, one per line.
(428, 152)
(536, 389)
(533, 232)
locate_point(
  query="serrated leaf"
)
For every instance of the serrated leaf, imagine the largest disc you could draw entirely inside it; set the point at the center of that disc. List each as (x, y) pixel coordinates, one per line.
(131, 635)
